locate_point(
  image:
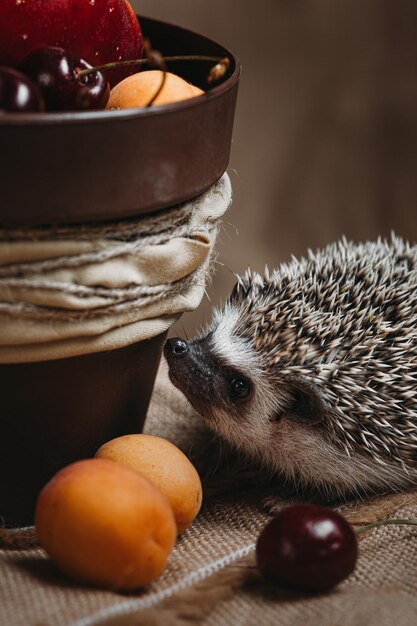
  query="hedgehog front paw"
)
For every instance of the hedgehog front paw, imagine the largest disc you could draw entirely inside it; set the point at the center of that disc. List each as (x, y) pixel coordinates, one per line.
(273, 504)
(285, 493)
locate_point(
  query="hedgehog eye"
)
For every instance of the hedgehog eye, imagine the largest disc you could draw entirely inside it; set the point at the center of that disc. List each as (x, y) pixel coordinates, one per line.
(240, 387)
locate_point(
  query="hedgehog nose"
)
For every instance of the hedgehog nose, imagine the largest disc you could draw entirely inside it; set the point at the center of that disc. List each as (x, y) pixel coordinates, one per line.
(176, 347)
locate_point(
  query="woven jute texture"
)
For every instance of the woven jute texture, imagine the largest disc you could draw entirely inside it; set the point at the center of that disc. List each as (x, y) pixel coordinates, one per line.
(211, 578)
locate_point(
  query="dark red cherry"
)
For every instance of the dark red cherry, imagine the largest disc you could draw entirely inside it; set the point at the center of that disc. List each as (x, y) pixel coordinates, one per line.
(56, 72)
(18, 93)
(307, 547)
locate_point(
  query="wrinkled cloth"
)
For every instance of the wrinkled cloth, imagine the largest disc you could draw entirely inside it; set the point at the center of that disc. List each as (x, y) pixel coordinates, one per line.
(76, 290)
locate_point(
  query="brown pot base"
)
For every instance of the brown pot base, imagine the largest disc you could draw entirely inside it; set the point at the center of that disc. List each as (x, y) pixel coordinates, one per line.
(56, 412)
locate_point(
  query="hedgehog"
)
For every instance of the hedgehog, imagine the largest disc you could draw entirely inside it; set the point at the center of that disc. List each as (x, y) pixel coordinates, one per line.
(311, 369)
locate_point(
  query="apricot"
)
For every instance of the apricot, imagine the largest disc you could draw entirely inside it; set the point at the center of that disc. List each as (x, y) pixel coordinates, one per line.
(137, 90)
(165, 466)
(103, 524)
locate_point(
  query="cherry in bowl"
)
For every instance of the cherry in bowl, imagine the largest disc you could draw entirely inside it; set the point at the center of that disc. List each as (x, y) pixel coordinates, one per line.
(57, 74)
(18, 94)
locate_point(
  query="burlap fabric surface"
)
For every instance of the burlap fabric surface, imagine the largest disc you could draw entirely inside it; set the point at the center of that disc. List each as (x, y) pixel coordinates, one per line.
(382, 591)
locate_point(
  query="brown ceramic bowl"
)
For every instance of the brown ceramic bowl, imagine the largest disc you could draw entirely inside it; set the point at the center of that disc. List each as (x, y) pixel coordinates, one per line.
(81, 167)
(98, 165)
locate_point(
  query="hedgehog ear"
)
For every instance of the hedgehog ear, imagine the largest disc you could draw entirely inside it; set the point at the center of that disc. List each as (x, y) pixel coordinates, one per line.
(234, 295)
(238, 291)
(307, 405)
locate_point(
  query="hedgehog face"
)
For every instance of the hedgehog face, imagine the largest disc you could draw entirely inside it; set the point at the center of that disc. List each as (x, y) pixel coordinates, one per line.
(221, 375)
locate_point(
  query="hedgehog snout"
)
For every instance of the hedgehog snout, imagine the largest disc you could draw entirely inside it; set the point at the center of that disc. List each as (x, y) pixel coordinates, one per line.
(189, 367)
(179, 357)
(176, 347)
(204, 379)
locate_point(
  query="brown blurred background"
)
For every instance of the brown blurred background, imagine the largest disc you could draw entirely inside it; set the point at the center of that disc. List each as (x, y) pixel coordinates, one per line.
(325, 136)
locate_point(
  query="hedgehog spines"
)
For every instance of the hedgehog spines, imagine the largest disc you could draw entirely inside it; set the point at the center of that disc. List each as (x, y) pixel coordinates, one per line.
(344, 318)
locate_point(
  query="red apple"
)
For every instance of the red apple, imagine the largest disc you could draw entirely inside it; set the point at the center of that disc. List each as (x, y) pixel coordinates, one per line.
(98, 31)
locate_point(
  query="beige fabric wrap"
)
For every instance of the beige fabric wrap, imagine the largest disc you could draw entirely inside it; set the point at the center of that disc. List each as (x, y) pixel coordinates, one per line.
(77, 290)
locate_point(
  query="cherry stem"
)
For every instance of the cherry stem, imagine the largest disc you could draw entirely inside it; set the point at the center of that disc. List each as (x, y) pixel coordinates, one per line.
(161, 86)
(385, 522)
(131, 62)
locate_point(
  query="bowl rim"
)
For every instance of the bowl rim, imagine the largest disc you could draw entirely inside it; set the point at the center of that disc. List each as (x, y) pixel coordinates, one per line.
(74, 117)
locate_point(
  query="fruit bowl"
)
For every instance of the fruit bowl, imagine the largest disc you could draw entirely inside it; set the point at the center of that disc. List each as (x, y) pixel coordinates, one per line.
(99, 165)
(63, 168)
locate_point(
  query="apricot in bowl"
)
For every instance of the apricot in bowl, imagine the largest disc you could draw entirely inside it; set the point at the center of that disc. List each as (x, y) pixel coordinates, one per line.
(139, 89)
